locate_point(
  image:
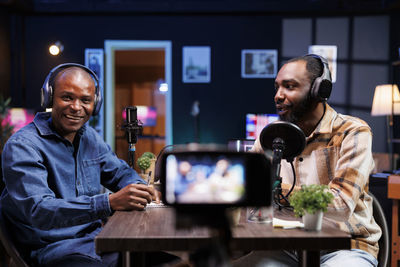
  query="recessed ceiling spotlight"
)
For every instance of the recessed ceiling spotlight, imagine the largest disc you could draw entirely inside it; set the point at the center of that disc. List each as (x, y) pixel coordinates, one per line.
(56, 48)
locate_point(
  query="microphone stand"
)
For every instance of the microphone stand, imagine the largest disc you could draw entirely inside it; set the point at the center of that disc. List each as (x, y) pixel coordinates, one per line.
(278, 146)
(131, 155)
(133, 127)
(195, 112)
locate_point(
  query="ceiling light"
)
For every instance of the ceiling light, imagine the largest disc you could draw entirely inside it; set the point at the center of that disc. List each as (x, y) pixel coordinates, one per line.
(56, 48)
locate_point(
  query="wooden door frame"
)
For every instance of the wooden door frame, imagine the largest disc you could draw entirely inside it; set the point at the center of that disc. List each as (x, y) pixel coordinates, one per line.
(110, 46)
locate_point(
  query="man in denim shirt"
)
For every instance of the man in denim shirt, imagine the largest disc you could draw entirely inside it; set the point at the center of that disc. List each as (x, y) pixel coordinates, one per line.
(53, 170)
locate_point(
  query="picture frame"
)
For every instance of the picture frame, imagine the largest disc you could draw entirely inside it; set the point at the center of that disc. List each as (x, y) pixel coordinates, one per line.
(196, 66)
(94, 60)
(259, 63)
(329, 52)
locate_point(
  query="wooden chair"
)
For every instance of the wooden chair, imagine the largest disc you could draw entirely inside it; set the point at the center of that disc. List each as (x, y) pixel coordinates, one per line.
(15, 258)
(384, 246)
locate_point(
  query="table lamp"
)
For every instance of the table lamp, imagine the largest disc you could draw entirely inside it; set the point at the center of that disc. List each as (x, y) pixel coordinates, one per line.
(387, 103)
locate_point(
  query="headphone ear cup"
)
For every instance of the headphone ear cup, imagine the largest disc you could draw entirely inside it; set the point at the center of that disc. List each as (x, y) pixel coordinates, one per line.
(46, 96)
(315, 88)
(325, 89)
(321, 89)
(98, 101)
(322, 86)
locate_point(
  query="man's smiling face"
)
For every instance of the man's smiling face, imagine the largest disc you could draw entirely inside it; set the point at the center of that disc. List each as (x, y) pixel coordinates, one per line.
(73, 101)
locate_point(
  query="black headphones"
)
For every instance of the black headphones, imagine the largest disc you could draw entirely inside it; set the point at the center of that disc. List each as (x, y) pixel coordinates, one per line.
(322, 86)
(47, 90)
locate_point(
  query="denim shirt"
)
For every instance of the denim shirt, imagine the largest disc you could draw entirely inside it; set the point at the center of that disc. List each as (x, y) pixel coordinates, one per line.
(52, 197)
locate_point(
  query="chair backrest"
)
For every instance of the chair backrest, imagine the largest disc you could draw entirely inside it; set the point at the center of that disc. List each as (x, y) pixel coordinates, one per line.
(384, 246)
(15, 257)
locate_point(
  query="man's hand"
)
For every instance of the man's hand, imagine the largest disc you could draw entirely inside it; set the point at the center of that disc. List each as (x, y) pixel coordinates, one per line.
(132, 197)
(158, 195)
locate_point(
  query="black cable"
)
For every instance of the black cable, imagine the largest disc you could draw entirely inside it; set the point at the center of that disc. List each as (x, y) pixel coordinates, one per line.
(294, 178)
(278, 196)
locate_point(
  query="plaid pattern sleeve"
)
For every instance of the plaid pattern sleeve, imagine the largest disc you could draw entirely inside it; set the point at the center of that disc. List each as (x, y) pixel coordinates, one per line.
(339, 154)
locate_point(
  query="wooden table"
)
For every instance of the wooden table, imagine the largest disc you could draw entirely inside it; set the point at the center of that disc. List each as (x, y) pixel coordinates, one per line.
(154, 230)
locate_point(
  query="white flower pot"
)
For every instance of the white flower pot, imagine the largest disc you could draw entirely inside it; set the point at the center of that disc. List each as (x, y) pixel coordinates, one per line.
(313, 222)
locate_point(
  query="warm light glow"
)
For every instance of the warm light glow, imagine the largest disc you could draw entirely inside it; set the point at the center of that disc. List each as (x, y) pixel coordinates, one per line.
(382, 104)
(56, 48)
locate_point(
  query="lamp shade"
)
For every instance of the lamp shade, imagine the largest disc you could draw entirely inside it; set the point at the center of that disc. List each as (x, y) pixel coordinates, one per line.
(382, 103)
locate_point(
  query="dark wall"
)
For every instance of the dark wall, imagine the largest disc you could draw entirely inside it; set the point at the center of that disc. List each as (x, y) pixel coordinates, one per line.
(395, 55)
(223, 102)
(5, 62)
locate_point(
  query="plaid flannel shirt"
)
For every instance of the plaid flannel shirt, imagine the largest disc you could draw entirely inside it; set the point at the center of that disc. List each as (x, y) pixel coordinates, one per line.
(338, 153)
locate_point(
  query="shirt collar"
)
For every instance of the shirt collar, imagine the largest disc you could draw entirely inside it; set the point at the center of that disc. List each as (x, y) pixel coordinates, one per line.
(43, 123)
(326, 123)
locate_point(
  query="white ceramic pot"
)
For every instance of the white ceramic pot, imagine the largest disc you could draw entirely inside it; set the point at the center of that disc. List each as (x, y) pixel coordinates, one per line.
(313, 222)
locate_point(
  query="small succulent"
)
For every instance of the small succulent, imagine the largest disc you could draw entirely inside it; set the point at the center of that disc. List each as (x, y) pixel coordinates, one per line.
(149, 155)
(143, 163)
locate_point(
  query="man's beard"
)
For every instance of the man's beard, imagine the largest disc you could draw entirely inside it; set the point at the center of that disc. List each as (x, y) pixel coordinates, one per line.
(298, 111)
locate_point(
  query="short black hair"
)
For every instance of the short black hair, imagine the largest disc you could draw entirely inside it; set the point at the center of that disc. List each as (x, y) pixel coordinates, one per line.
(314, 66)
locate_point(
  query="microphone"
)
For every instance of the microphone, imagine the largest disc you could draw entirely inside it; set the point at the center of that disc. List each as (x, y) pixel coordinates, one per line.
(286, 140)
(292, 138)
(133, 128)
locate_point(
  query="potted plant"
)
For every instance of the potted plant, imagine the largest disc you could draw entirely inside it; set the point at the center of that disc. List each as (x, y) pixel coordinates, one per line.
(310, 202)
(146, 163)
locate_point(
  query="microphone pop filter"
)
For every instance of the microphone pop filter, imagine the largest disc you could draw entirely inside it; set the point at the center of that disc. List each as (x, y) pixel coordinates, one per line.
(291, 134)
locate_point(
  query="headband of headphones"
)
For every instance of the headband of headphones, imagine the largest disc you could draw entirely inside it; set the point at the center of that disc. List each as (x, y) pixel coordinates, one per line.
(322, 86)
(47, 90)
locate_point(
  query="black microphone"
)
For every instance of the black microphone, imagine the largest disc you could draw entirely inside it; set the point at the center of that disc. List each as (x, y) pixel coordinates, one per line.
(286, 140)
(292, 138)
(133, 128)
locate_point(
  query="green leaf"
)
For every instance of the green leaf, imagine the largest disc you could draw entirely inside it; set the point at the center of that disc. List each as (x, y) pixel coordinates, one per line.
(311, 198)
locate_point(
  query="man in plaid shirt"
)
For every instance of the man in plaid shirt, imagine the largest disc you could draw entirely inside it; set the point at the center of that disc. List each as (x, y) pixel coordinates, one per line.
(337, 153)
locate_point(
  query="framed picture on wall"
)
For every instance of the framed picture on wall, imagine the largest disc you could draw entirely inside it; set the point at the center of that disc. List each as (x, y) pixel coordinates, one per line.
(330, 53)
(259, 63)
(196, 64)
(94, 60)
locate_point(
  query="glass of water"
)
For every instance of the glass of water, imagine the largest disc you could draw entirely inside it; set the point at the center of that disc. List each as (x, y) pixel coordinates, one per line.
(260, 214)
